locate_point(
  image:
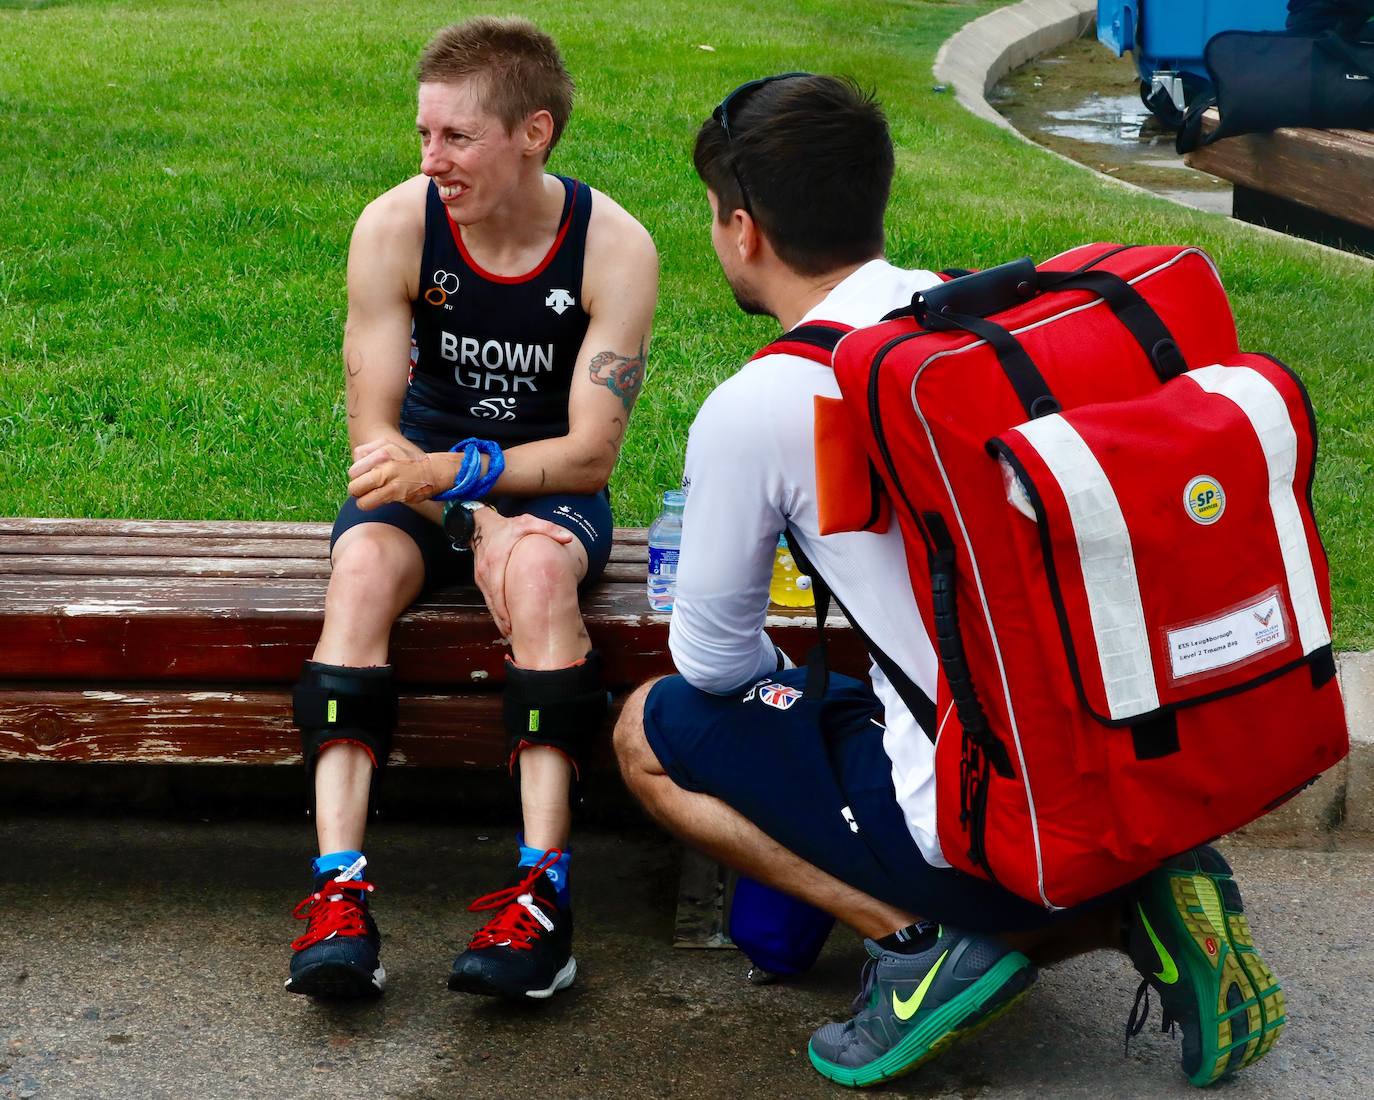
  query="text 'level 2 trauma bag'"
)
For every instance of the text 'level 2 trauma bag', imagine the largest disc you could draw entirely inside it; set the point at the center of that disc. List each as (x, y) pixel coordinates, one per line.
(1107, 513)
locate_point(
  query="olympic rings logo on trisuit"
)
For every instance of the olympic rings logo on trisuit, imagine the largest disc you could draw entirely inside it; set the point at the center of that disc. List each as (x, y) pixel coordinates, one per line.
(445, 283)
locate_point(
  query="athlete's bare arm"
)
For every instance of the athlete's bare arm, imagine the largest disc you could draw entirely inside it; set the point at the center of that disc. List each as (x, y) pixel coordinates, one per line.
(619, 291)
(383, 268)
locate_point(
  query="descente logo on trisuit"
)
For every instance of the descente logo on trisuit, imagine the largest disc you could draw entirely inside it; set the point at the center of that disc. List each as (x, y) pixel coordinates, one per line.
(496, 364)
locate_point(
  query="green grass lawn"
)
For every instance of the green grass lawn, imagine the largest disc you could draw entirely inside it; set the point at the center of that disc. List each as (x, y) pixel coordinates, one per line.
(180, 179)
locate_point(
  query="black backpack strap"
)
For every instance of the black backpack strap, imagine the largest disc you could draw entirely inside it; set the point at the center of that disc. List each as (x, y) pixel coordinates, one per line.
(921, 706)
(1190, 134)
(815, 340)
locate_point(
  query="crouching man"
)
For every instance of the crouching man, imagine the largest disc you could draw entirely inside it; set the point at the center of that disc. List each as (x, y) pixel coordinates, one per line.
(498, 317)
(832, 799)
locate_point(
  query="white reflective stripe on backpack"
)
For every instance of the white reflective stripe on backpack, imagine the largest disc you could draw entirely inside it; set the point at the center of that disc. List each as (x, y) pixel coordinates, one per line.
(1104, 554)
(1268, 414)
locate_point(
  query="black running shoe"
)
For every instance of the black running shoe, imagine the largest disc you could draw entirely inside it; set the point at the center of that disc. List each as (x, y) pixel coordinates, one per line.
(525, 950)
(1188, 937)
(912, 1007)
(338, 954)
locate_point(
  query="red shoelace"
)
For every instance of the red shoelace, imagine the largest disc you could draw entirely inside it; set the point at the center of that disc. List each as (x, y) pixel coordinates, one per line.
(335, 909)
(514, 926)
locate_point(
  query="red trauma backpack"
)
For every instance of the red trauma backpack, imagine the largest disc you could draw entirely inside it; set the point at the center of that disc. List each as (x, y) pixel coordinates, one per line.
(1107, 513)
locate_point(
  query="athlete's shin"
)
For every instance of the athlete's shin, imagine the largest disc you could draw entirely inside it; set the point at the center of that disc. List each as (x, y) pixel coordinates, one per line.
(545, 782)
(343, 788)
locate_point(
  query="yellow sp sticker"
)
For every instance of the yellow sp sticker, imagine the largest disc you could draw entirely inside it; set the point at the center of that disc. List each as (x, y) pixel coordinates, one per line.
(1204, 499)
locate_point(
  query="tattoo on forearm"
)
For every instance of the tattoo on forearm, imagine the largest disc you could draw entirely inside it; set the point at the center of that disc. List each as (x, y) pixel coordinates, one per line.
(614, 442)
(351, 371)
(543, 476)
(623, 375)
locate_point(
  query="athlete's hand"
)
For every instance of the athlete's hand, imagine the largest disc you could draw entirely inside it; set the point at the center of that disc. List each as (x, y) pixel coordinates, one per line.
(388, 470)
(493, 539)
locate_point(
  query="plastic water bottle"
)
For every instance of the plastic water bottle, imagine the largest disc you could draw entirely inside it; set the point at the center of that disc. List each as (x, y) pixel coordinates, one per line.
(790, 587)
(665, 540)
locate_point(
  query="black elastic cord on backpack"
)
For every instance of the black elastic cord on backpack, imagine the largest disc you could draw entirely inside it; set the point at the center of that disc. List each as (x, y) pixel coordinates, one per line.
(949, 645)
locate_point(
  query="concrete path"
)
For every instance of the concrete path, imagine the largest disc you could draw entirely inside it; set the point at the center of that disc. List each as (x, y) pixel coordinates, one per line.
(144, 959)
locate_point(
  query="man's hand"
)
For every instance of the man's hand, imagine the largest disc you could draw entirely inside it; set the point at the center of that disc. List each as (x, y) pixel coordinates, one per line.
(387, 470)
(493, 540)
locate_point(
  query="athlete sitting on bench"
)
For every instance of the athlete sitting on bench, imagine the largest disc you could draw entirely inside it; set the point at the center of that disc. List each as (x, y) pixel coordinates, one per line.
(522, 301)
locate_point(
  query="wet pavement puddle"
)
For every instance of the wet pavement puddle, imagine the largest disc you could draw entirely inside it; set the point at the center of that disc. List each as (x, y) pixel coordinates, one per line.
(1083, 102)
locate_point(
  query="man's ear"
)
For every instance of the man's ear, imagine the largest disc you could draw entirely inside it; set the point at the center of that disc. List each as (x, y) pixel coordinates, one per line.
(537, 130)
(745, 231)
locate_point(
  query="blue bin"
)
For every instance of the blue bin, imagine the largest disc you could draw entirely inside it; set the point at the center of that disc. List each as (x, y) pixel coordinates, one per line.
(1167, 38)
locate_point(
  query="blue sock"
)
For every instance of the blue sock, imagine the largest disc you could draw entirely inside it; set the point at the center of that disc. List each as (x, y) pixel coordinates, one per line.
(332, 863)
(557, 871)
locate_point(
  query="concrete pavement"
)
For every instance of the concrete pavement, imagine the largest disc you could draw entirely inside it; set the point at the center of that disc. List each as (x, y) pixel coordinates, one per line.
(144, 958)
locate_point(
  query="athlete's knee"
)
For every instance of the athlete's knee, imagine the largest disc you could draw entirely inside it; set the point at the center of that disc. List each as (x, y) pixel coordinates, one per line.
(540, 570)
(372, 562)
(632, 749)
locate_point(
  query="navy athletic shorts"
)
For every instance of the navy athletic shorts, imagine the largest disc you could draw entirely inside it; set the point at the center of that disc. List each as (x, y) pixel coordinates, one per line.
(588, 517)
(813, 775)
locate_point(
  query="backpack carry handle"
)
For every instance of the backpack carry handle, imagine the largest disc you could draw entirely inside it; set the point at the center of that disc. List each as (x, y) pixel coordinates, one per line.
(979, 294)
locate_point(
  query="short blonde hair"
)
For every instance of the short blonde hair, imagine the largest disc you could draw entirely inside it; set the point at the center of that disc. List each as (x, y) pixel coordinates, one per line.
(520, 67)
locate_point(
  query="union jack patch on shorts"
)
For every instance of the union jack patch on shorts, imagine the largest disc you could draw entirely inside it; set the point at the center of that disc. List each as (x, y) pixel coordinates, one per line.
(777, 696)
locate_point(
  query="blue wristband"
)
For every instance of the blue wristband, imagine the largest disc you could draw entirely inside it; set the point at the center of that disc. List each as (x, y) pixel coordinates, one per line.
(470, 483)
(496, 466)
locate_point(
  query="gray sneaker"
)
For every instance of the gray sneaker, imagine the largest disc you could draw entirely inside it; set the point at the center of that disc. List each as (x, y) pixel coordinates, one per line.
(911, 1007)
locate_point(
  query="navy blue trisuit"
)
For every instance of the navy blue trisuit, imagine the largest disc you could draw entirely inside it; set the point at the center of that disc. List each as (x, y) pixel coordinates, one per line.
(493, 357)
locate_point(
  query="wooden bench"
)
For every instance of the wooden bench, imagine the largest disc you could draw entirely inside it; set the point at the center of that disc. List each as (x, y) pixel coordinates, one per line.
(1314, 183)
(172, 641)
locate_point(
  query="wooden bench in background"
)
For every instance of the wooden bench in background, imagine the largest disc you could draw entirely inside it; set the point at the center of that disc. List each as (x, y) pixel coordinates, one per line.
(1313, 183)
(173, 641)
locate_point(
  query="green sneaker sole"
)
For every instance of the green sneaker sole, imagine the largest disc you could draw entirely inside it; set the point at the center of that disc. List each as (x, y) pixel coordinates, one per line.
(988, 998)
(1240, 1003)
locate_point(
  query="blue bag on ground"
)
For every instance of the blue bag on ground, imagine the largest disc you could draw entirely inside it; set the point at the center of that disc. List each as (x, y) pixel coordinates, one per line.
(777, 932)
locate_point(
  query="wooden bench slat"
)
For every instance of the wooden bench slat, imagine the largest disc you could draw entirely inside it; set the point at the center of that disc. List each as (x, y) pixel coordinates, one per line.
(234, 630)
(163, 528)
(181, 528)
(132, 725)
(121, 548)
(96, 547)
(90, 566)
(617, 572)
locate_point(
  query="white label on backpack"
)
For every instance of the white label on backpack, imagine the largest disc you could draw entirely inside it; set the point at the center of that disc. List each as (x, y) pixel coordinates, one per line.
(1227, 639)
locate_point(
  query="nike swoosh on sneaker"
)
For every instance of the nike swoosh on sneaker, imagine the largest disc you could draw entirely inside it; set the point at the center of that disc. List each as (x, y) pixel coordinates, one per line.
(905, 1009)
(1168, 973)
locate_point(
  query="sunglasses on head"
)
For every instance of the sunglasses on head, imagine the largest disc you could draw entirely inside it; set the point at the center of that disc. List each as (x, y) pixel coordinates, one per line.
(722, 115)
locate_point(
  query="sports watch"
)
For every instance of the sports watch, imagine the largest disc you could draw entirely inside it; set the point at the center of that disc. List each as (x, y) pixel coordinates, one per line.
(460, 523)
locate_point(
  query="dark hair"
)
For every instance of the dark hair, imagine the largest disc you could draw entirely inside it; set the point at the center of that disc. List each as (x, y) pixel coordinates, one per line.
(815, 158)
(519, 65)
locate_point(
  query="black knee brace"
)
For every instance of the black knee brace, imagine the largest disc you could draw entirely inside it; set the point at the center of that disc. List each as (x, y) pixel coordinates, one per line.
(564, 708)
(335, 703)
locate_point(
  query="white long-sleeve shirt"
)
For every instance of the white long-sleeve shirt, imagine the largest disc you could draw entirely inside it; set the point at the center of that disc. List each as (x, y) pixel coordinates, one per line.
(750, 474)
